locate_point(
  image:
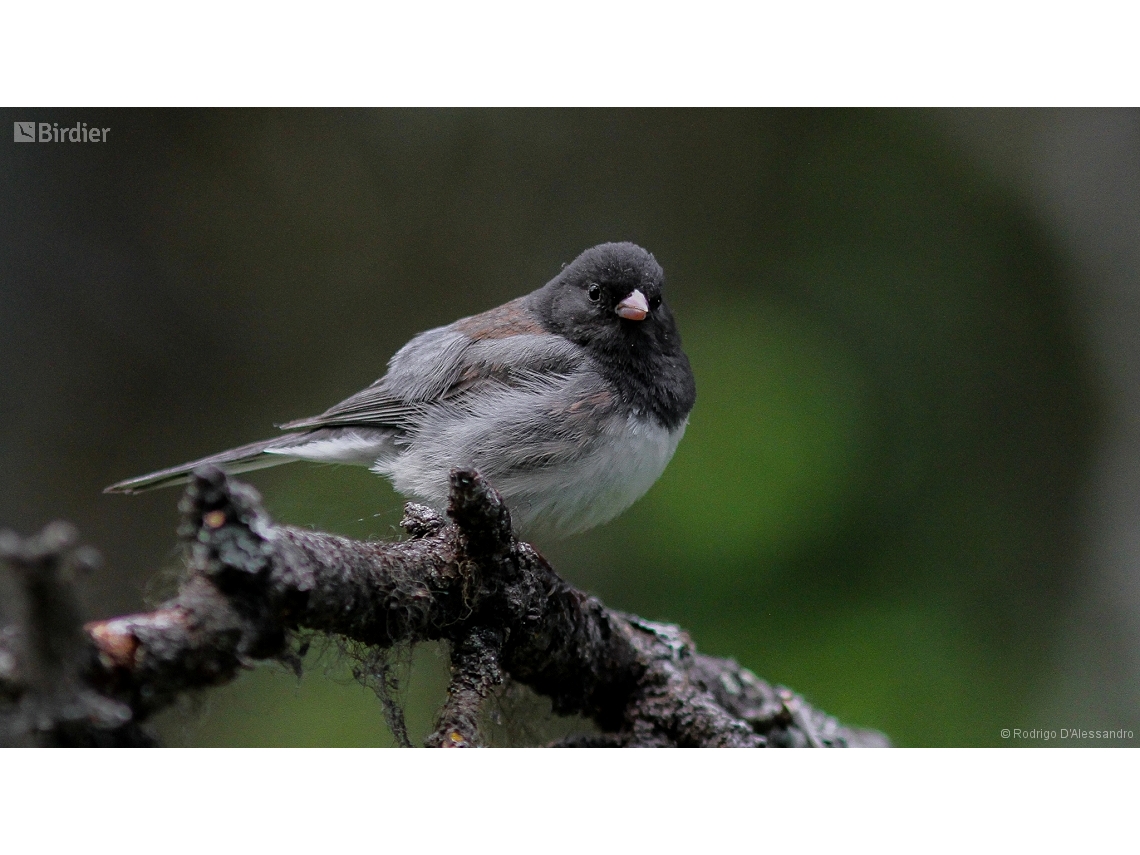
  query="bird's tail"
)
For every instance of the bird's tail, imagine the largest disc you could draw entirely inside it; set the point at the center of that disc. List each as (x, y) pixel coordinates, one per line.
(241, 459)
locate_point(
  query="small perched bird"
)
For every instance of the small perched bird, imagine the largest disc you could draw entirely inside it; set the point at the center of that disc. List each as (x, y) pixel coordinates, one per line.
(570, 401)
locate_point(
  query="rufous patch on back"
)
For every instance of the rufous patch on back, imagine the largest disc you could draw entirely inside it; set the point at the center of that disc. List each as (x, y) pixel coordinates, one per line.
(509, 319)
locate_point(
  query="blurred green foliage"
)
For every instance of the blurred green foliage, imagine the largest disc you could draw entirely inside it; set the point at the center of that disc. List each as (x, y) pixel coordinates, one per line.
(771, 455)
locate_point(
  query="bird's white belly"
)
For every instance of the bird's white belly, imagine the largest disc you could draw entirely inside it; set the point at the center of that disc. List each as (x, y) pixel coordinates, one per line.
(620, 467)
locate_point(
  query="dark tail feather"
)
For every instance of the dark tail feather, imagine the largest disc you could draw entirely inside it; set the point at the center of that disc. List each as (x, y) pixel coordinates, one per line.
(242, 459)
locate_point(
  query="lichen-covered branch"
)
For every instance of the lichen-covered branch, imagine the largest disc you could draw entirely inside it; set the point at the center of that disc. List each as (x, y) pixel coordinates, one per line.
(475, 671)
(469, 581)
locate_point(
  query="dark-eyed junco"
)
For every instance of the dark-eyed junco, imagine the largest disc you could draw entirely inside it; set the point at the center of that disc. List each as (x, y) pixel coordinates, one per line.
(570, 401)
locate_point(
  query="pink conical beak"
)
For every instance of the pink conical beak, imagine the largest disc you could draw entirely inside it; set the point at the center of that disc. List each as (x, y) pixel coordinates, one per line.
(634, 307)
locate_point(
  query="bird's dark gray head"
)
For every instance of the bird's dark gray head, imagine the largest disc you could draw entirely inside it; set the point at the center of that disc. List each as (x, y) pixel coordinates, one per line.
(611, 272)
(612, 290)
(610, 301)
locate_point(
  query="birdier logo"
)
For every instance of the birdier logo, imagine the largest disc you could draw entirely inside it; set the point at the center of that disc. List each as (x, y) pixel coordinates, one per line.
(52, 132)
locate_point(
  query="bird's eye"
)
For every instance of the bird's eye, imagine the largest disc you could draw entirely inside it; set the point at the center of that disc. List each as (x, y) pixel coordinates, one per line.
(654, 303)
(594, 292)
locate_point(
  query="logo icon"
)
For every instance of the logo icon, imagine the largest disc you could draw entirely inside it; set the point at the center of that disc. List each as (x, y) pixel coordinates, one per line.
(24, 131)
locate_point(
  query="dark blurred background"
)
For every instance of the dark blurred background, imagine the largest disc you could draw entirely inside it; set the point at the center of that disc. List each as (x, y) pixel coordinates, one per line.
(908, 489)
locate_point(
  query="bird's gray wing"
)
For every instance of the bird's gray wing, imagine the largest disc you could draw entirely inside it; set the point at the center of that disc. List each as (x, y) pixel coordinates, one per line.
(447, 366)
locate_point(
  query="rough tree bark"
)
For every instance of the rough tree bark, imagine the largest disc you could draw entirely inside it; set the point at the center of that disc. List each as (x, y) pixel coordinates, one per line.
(251, 585)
